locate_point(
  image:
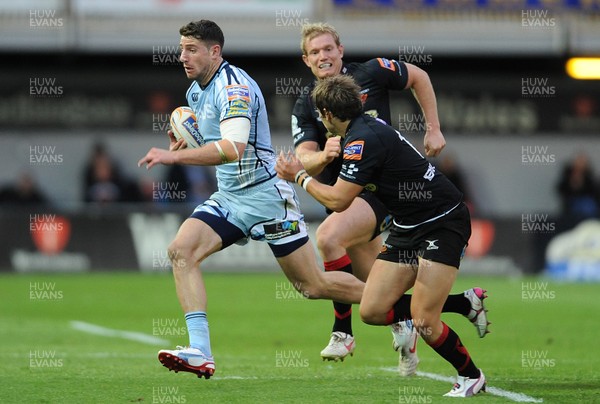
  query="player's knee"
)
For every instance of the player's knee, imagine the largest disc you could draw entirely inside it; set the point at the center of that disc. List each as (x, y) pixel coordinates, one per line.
(309, 291)
(179, 254)
(313, 288)
(328, 239)
(369, 316)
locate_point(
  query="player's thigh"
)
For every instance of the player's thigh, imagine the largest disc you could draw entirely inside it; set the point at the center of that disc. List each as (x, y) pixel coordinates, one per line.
(363, 257)
(300, 266)
(194, 240)
(273, 214)
(432, 286)
(350, 227)
(440, 252)
(387, 282)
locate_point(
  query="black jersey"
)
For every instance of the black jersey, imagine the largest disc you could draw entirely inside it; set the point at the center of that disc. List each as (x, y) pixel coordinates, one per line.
(375, 78)
(377, 157)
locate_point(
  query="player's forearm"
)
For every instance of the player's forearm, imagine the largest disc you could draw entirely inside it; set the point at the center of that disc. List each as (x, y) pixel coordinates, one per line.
(311, 157)
(312, 162)
(207, 155)
(326, 195)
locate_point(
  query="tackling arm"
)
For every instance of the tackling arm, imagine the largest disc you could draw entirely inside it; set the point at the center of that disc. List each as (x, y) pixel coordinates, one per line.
(315, 160)
(337, 197)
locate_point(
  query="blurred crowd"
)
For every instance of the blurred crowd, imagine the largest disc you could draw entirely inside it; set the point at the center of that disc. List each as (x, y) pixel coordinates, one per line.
(579, 191)
(104, 183)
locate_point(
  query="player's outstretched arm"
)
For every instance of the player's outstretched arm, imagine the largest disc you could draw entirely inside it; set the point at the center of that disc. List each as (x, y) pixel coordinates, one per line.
(337, 197)
(422, 89)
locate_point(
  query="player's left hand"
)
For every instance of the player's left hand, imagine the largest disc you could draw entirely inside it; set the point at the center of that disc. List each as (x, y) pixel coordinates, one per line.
(175, 144)
(157, 156)
(434, 142)
(287, 166)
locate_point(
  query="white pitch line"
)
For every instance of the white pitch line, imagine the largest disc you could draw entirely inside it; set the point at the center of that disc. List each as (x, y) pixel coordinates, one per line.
(111, 333)
(517, 397)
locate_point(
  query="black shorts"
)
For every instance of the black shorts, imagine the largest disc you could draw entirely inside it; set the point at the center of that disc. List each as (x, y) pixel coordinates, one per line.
(383, 219)
(443, 240)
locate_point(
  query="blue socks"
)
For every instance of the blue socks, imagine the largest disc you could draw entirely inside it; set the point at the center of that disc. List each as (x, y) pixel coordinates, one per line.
(197, 326)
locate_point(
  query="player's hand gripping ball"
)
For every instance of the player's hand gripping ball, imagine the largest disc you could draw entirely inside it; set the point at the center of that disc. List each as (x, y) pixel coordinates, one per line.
(184, 126)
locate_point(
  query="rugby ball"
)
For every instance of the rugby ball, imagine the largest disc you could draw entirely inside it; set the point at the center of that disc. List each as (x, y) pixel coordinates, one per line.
(184, 126)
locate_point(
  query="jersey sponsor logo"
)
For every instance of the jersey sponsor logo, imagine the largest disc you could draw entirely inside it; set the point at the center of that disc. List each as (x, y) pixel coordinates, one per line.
(371, 187)
(238, 104)
(191, 126)
(385, 248)
(238, 92)
(354, 150)
(387, 64)
(237, 108)
(276, 231)
(385, 224)
(432, 245)
(233, 112)
(430, 172)
(349, 170)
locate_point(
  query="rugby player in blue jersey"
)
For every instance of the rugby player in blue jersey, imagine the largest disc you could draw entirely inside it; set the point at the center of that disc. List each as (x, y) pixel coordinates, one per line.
(251, 201)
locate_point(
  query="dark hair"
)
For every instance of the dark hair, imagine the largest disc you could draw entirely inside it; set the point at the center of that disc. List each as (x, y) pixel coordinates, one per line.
(339, 95)
(204, 30)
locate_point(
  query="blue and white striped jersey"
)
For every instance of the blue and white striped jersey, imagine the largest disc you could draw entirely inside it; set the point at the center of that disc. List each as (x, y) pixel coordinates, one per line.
(233, 93)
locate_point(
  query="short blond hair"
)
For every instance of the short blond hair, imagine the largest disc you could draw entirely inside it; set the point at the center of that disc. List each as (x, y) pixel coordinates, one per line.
(313, 30)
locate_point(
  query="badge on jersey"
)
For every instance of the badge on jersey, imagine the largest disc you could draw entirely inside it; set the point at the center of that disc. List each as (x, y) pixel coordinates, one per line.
(349, 170)
(387, 64)
(239, 100)
(354, 150)
(237, 92)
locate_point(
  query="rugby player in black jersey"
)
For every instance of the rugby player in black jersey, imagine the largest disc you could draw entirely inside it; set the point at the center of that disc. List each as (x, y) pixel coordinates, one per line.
(349, 241)
(430, 230)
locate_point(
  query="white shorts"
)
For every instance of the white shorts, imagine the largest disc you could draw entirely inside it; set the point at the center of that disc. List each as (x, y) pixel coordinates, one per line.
(266, 212)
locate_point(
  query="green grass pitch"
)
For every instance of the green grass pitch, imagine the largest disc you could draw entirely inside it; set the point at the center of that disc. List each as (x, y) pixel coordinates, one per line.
(266, 341)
